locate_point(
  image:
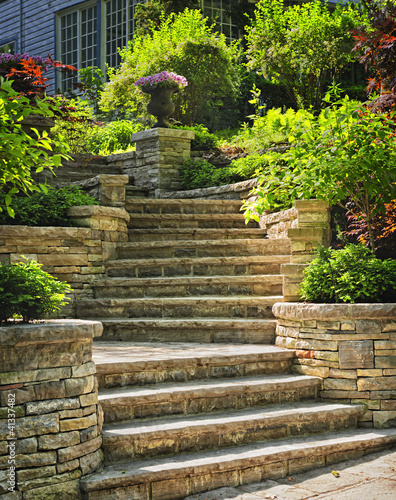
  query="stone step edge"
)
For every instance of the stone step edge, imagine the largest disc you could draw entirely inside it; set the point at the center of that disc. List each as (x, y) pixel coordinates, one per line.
(183, 261)
(186, 280)
(199, 230)
(192, 217)
(185, 202)
(123, 365)
(203, 243)
(172, 391)
(239, 458)
(256, 300)
(280, 414)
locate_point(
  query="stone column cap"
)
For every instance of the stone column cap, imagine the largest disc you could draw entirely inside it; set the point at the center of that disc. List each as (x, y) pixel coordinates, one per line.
(98, 211)
(171, 133)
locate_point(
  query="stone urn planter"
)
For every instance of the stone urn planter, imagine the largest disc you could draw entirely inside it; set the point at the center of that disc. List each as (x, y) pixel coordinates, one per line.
(352, 347)
(50, 427)
(161, 105)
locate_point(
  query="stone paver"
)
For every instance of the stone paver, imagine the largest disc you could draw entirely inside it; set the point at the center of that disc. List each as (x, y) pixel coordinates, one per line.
(372, 477)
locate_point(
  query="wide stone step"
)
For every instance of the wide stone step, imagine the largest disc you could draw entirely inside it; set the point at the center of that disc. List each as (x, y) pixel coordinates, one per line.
(177, 477)
(207, 330)
(270, 284)
(182, 206)
(130, 363)
(203, 248)
(180, 307)
(158, 221)
(172, 435)
(167, 234)
(193, 397)
(205, 266)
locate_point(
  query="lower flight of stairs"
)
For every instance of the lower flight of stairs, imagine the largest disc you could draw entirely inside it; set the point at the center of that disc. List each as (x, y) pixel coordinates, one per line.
(194, 393)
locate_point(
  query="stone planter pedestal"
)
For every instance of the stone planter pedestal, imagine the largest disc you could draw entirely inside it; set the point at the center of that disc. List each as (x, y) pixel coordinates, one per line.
(352, 347)
(50, 423)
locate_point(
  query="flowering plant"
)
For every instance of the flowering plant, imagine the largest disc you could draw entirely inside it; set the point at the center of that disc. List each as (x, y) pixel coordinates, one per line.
(163, 79)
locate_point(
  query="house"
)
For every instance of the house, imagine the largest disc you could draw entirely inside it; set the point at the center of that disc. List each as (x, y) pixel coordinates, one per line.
(82, 33)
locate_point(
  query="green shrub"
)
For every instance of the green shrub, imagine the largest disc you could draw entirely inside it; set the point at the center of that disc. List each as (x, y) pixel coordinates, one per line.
(46, 209)
(252, 165)
(200, 174)
(352, 274)
(112, 137)
(27, 291)
(203, 140)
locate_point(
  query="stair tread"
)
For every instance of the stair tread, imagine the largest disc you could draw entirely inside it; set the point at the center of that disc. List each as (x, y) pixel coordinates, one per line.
(294, 411)
(185, 202)
(192, 217)
(204, 243)
(250, 299)
(177, 280)
(199, 260)
(115, 354)
(209, 322)
(136, 472)
(205, 385)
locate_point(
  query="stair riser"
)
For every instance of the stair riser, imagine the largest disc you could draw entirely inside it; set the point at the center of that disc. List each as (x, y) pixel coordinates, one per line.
(190, 251)
(139, 291)
(180, 310)
(191, 371)
(189, 481)
(161, 207)
(186, 403)
(154, 271)
(171, 442)
(266, 335)
(215, 223)
(134, 236)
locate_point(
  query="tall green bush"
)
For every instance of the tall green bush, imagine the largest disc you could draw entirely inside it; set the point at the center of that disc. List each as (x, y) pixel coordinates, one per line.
(303, 46)
(186, 45)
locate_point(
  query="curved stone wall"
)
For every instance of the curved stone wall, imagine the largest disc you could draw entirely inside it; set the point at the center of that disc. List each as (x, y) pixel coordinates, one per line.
(50, 424)
(352, 347)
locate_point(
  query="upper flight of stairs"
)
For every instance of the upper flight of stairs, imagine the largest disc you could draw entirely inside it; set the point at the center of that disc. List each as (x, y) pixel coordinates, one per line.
(194, 393)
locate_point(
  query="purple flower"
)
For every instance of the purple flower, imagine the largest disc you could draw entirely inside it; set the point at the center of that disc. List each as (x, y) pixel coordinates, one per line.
(163, 79)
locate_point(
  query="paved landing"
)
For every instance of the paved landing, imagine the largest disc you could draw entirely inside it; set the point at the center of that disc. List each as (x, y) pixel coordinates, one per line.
(372, 477)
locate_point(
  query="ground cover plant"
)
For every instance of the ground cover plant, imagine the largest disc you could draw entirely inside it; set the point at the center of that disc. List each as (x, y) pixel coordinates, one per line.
(29, 292)
(352, 274)
(47, 208)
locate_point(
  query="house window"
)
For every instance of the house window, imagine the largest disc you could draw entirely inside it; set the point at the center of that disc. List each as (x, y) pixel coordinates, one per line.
(78, 40)
(8, 47)
(219, 11)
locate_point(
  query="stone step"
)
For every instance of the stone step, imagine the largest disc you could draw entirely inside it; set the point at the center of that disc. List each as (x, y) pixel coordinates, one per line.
(202, 396)
(135, 192)
(180, 307)
(172, 435)
(270, 284)
(182, 206)
(203, 248)
(213, 330)
(130, 363)
(177, 477)
(212, 220)
(167, 234)
(204, 266)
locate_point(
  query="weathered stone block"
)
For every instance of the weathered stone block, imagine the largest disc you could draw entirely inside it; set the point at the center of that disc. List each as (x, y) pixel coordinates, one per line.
(339, 384)
(67, 454)
(60, 440)
(356, 354)
(384, 419)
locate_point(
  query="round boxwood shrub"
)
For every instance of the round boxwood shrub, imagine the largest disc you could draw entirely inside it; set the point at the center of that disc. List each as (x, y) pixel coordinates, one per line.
(29, 292)
(352, 274)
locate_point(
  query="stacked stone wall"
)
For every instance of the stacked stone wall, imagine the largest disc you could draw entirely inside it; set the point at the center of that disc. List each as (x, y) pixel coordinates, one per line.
(76, 255)
(352, 347)
(50, 423)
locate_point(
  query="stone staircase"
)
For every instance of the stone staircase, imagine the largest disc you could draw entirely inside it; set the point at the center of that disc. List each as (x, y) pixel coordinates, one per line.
(195, 395)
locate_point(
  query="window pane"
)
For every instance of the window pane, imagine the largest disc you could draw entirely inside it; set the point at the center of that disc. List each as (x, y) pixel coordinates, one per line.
(116, 27)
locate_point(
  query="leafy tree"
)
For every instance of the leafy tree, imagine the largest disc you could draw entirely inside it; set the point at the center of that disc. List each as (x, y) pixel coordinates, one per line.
(188, 46)
(303, 46)
(29, 152)
(349, 152)
(377, 45)
(149, 14)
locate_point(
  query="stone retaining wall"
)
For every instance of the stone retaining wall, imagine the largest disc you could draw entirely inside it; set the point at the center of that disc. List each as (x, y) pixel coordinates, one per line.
(73, 254)
(50, 424)
(352, 347)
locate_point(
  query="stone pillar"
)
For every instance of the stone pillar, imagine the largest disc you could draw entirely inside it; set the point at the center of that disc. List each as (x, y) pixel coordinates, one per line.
(108, 189)
(352, 347)
(159, 154)
(313, 230)
(50, 422)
